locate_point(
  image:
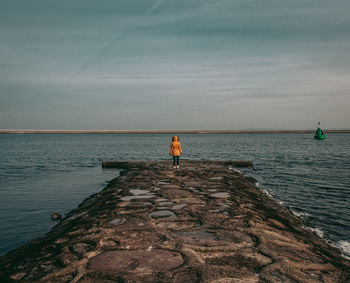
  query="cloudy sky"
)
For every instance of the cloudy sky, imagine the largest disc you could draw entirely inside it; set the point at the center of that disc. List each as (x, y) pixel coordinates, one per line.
(174, 64)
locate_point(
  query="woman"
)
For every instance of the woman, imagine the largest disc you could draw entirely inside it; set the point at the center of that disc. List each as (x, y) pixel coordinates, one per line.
(175, 151)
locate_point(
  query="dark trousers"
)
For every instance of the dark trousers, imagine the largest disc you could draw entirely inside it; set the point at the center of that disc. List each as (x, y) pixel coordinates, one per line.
(176, 160)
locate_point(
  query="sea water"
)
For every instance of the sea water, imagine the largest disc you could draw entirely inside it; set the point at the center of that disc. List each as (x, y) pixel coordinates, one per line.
(45, 173)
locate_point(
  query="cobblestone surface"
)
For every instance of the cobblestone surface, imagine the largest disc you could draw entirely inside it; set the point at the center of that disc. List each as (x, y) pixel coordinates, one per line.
(204, 222)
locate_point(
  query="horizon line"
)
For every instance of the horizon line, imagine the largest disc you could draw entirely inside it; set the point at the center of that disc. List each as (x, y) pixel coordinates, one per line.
(18, 131)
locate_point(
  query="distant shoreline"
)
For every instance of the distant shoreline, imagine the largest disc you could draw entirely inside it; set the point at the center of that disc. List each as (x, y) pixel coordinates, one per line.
(169, 132)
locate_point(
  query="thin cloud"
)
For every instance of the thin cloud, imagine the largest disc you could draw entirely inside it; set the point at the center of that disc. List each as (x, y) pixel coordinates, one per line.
(153, 8)
(119, 37)
(203, 63)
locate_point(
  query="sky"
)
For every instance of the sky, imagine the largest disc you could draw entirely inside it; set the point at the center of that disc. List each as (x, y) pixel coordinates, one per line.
(174, 64)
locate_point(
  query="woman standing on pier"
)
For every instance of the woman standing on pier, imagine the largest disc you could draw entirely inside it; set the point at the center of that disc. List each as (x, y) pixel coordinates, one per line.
(175, 151)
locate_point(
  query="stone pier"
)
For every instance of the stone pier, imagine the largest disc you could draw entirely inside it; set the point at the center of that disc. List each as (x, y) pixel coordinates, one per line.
(204, 222)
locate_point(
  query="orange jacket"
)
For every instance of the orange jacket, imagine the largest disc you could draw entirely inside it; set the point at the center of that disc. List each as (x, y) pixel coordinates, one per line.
(175, 149)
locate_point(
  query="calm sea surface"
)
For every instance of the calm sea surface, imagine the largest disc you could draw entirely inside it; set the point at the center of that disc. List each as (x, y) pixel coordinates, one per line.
(45, 173)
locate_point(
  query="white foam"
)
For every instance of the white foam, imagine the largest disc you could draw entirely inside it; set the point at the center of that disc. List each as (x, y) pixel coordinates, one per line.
(296, 213)
(301, 214)
(317, 231)
(257, 184)
(345, 248)
(267, 193)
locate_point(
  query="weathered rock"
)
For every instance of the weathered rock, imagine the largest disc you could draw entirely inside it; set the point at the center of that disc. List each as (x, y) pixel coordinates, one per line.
(203, 222)
(56, 216)
(144, 262)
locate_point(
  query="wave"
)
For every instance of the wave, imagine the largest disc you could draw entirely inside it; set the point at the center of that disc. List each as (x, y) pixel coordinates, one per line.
(300, 214)
(344, 246)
